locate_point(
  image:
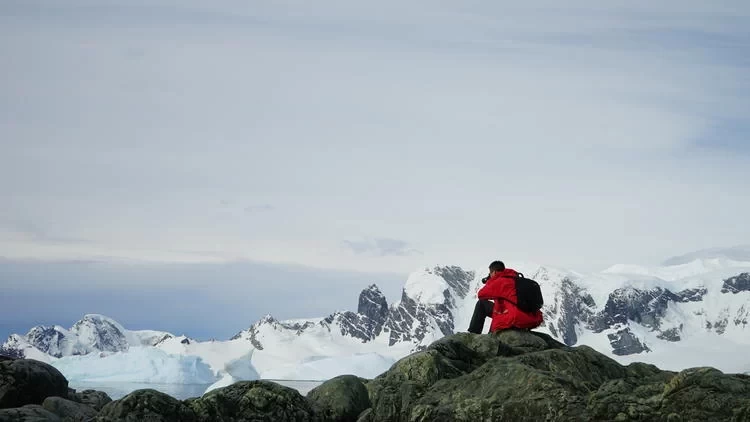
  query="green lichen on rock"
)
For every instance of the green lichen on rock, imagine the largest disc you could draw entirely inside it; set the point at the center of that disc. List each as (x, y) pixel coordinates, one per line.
(68, 410)
(93, 398)
(252, 401)
(27, 381)
(519, 375)
(150, 405)
(707, 394)
(28, 413)
(341, 399)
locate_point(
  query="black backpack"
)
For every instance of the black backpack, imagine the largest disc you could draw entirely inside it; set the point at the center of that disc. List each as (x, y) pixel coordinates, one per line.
(529, 294)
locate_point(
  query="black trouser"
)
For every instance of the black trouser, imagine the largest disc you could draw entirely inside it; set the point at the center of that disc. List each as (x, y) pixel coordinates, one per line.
(482, 310)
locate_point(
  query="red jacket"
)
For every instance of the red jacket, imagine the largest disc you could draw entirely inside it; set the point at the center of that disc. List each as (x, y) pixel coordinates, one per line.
(502, 289)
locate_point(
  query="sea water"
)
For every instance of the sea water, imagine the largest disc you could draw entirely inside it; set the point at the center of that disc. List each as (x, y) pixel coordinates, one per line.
(117, 390)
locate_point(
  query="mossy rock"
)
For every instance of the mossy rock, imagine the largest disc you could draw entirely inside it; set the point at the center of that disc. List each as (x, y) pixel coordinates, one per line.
(253, 401)
(341, 399)
(68, 410)
(28, 381)
(28, 413)
(149, 405)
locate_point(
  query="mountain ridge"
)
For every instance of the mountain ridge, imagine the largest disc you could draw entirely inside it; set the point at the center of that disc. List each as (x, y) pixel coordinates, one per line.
(629, 313)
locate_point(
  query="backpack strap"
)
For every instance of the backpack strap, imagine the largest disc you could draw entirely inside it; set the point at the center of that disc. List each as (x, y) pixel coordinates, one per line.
(518, 275)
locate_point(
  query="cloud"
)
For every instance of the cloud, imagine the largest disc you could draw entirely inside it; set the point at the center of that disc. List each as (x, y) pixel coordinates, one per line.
(380, 247)
(26, 230)
(572, 136)
(252, 209)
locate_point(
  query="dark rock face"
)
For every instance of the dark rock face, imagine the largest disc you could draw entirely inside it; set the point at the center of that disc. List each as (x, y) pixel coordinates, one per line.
(354, 325)
(26, 381)
(457, 278)
(252, 401)
(68, 410)
(92, 398)
(46, 339)
(410, 320)
(367, 323)
(571, 307)
(736, 284)
(29, 413)
(147, 405)
(10, 354)
(624, 342)
(691, 295)
(374, 307)
(340, 399)
(527, 376)
(673, 334)
(645, 307)
(372, 303)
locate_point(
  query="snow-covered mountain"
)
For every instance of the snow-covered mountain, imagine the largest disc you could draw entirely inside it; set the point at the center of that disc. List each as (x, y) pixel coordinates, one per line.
(93, 333)
(693, 312)
(430, 302)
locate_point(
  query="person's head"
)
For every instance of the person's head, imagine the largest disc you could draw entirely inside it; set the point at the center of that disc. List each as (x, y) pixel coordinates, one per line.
(496, 267)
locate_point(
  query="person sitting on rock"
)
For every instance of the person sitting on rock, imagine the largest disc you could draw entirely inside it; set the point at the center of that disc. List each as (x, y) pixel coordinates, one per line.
(498, 299)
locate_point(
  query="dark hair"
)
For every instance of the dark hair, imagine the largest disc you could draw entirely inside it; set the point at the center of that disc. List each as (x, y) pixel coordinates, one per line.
(497, 266)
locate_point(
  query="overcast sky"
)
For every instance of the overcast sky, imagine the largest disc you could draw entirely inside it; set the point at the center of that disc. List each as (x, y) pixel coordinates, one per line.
(369, 137)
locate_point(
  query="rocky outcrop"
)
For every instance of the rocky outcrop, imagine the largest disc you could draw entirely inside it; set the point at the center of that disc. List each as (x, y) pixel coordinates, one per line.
(68, 410)
(624, 342)
(518, 375)
(47, 339)
(252, 401)
(147, 405)
(93, 398)
(736, 284)
(571, 308)
(28, 413)
(26, 381)
(644, 307)
(630, 304)
(373, 305)
(367, 323)
(340, 399)
(10, 354)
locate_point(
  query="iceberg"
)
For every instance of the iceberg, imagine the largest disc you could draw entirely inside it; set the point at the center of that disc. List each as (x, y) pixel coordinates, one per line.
(137, 365)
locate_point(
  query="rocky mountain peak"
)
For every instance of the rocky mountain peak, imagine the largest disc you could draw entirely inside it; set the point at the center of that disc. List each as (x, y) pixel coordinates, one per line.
(570, 309)
(457, 278)
(100, 333)
(372, 304)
